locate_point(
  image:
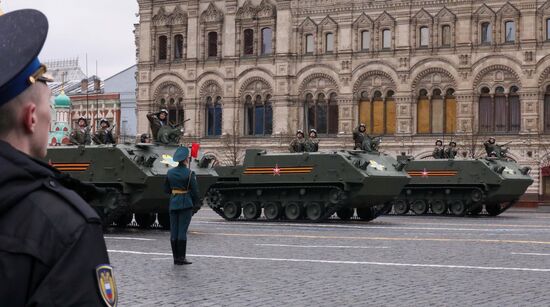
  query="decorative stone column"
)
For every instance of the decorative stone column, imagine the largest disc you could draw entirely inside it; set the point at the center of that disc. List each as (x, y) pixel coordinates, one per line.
(405, 109)
(530, 114)
(346, 118)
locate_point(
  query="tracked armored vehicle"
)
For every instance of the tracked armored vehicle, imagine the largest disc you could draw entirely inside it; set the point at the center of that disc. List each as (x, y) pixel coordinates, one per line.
(461, 187)
(137, 172)
(306, 186)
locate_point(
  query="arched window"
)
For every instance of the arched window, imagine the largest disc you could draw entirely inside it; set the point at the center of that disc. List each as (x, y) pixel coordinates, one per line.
(322, 114)
(178, 47)
(365, 40)
(500, 112)
(446, 36)
(510, 34)
(329, 42)
(213, 116)
(309, 44)
(267, 44)
(424, 37)
(212, 44)
(248, 42)
(547, 109)
(386, 39)
(378, 114)
(259, 115)
(486, 33)
(436, 114)
(163, 45)
(175, 111)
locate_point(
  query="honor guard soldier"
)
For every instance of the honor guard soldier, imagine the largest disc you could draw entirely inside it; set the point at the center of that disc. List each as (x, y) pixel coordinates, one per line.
(52, 251)
(181, 183)
(297, 145)
(451, 152)
(439, 151)
(104, 135)
(312, 142)
(156, 121)
(81, 135)
(359, 136)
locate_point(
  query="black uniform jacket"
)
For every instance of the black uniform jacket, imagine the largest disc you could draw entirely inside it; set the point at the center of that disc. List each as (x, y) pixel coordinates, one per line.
(51, 241)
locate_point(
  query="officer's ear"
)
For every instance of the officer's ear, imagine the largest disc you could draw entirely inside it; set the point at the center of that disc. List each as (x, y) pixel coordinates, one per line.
(29, 117)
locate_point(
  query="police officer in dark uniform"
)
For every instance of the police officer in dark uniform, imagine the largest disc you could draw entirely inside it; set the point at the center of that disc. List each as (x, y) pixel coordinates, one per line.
(181, 183)
(52, 251)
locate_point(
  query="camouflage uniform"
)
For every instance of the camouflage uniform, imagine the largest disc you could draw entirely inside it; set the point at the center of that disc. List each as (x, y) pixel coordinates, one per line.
(439, 151)
(451, 152)
(81, 136)
(156, 123)
(359, 136)
(312, 143)
(104, 135)
(297, 144)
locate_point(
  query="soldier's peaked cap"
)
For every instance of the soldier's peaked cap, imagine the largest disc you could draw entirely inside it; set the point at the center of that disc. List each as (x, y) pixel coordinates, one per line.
(181, 154)
(22, 37)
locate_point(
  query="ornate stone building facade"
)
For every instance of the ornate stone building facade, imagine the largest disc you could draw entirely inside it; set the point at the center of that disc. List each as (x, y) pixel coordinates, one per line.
(413, 71)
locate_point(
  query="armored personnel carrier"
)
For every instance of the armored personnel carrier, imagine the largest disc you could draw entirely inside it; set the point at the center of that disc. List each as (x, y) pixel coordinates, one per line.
(306, 186)
(137, 172)
(460, 187)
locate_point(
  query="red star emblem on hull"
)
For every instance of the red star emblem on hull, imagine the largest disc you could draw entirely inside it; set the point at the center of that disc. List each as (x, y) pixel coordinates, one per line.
(276, 171)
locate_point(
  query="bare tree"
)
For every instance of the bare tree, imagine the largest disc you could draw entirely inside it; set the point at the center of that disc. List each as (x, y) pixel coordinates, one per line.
(471, 144)
(230, 151)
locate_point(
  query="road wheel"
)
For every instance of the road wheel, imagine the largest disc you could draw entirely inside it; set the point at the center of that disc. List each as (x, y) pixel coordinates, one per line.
(387, 208)
(315, 211)
(400, 207)
(124, 220)
(366, 214)
(252, 210)
(164, 220)
(272, 210)
(145, 220)
(419, 207)
(458, 208)
(293, 211)
(345, 213)
(439, 207)
(231, 210)
(476, 195)
(493, 209)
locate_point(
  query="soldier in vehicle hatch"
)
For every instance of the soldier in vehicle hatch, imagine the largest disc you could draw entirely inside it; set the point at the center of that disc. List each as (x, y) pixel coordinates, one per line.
(312, 142)
(439, 151)
(451, 151)
(359, 136)
(104, 135)
(81, 135)
(157, 120)
(298, 143)
(494, 150)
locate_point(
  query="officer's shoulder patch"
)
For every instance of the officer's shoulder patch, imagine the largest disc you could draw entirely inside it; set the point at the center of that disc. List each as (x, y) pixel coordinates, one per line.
(106, 284)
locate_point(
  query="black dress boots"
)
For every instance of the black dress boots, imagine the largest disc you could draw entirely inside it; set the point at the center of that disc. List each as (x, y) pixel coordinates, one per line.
(182, 250)
(175, 253)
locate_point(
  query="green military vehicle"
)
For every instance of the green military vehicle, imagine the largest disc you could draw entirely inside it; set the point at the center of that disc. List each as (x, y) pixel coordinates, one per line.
(137, 172)
(461, 187)
(306, 186)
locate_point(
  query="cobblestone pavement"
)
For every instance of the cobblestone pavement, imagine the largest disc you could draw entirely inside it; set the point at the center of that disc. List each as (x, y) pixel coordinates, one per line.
(391, 261)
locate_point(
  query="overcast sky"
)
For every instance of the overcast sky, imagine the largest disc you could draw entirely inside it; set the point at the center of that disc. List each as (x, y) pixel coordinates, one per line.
(101, 28)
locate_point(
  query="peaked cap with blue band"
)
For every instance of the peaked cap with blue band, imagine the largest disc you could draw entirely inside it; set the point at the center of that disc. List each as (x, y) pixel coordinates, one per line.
(181, 154)
(23, 34)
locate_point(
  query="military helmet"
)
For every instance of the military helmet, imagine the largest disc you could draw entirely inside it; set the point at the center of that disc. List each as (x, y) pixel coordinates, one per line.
(492, 140)
(300, 131)
(163, 111)
(438, 141)
(313, 131)
(84, 119)
(103, 120)
(362, 125)
(452, 143)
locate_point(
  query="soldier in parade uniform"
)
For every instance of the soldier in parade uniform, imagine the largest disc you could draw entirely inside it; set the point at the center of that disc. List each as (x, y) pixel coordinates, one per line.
(297, 145)
(451, 151)
(181, 183)
(439, 151)
(156, 121)
(359, 136)
(105, 134)
(312, 142)
(81, 136)
(52, 251)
